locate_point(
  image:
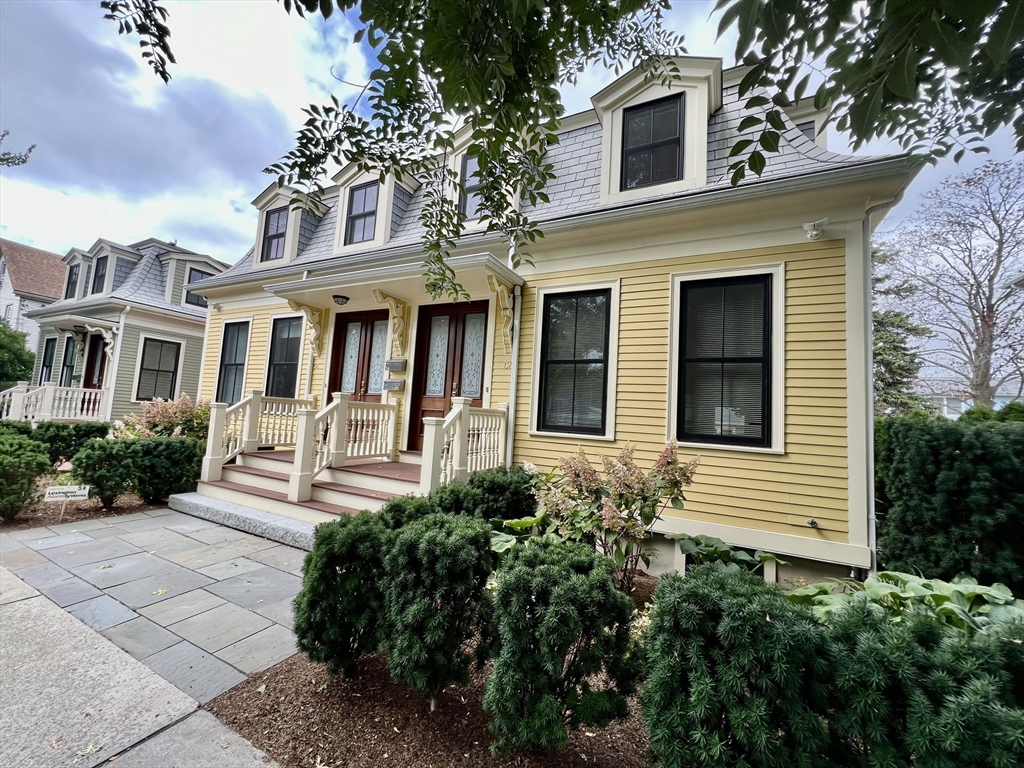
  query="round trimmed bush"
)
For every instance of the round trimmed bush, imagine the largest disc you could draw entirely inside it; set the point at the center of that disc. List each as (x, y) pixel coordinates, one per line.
(22, 461)
(109, 466)
(166, 465)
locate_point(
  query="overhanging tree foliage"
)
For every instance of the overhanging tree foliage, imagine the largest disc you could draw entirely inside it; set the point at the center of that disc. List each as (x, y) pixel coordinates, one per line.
(16, 359)
(12, 159)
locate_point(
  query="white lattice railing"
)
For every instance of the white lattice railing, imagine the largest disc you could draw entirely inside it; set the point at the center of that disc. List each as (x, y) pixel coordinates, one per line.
(278, 425)
(233, 433)
(371, 430)
(486, 438)
(74, 403)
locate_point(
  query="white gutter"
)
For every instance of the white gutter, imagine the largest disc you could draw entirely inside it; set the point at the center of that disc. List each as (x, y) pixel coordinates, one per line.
(514, 376)
(115, 363)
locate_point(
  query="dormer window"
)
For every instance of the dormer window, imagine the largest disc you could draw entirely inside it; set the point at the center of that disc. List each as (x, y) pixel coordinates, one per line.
(362, 213)
(194, 276)
(99, 276)
(469, 199)
(72, 286)
(273, 234)
(652, 148)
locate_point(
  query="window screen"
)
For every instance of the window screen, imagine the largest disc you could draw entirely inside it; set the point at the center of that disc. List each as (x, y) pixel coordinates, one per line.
(158, 373)
(233, 350)
(284, 357)
(194, 276)
(652, 143)
(273, 234)
(725, 356)
(574, 362)
(362, 213)
(72, 286)
(46, 366)
(67, 365)
(469, 200)
(99, 277)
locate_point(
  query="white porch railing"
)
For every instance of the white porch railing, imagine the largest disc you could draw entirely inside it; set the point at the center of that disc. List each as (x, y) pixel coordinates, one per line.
(50, 402)
(278, 423)
(466, 440)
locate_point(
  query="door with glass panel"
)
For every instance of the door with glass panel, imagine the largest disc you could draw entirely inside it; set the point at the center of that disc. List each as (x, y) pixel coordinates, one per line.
(451, 344)
(360, 349)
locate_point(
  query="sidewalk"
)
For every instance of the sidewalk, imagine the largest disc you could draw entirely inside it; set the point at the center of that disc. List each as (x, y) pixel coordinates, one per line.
(112, 630)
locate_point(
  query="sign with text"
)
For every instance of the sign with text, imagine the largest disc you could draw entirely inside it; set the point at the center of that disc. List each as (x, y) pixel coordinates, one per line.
(67, 492)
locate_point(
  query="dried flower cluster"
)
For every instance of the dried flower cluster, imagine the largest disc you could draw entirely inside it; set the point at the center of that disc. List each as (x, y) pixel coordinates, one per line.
(167, 418)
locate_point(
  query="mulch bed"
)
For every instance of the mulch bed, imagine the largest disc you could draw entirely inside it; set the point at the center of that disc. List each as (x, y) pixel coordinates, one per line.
(48, 512)
(304, 718)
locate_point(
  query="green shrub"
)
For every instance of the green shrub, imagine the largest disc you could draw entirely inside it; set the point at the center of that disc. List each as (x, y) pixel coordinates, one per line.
(559, 622)
(8, 427)
(402, 510)
(84, 431)
(978, 413)
(950, 498)
(1011, 412)
(338, 611)
(505, 494)
(435, 573)
(22, 461)
(109, 466)
(729, 674)
(166, 465)
(457, 498)
(59, 439)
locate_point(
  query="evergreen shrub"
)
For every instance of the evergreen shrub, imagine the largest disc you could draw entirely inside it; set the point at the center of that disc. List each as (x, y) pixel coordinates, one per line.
(166, 465)
(59, 438)
(22, 428)
(504, 493)
(109, 466)
(950, 498)
(558, 621)
(22, 461)
(434, 575)
(339, 610)
(402, 510)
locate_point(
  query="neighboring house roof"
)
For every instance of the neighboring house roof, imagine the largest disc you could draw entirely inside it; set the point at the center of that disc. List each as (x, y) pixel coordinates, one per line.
(1018, 282)
(34, 272)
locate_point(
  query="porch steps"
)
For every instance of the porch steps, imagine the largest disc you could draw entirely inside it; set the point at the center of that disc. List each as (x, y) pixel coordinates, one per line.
(335, 493)
(312, 511)
(382, 479)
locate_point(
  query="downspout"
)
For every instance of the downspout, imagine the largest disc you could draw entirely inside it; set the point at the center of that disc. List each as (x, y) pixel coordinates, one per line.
(513, 378)
(866, 237)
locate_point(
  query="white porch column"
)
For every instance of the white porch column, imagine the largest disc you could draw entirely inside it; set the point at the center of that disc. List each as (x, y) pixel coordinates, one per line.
(300, 483)
(460, 443)
(45, 403)
(433, 445)
(213, 461)
(251, 424)
(18, 401)
(339, 432)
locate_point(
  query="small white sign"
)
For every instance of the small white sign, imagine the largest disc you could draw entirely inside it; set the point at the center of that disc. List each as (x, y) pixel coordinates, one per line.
(67, 492)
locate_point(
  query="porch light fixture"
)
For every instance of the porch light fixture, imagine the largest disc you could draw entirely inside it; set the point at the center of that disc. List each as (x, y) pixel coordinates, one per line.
(340, 300)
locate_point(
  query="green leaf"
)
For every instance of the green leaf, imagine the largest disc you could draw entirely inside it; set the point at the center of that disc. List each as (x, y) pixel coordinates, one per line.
(770, 141)
(902, 77)
(750, 121)
(1006, 32)
(739, 146)
(326, 8)
(756, 162)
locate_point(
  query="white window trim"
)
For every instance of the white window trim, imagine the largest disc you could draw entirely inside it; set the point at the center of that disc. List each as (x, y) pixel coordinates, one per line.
(778, 360)
(291, 232)
(385, 209)
(270, 341)
(189, 266)
(220, 353)
(612, 361)
(138, 366)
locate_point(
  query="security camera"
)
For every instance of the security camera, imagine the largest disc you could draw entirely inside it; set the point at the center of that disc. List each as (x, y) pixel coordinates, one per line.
(813, 229)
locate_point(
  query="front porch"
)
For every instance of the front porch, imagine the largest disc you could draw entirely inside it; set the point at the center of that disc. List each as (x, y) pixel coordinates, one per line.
(52, 403)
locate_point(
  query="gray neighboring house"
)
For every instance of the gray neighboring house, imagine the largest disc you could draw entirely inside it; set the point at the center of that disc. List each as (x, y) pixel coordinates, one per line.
(126, 331)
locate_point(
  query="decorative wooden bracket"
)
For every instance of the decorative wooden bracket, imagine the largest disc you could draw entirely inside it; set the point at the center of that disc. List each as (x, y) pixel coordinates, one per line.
(312, 316)
(504, 296)
(109, 337)
(397, 308)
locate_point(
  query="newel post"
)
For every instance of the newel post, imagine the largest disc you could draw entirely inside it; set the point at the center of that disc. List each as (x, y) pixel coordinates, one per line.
(213, 461)
(251, 423)
(339, 429)
(45, 403)
(18, 402)
(300, 483)
(433, 445)
(460, 443)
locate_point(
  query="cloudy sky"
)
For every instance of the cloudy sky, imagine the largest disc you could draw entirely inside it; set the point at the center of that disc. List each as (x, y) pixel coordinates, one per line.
(120, 155)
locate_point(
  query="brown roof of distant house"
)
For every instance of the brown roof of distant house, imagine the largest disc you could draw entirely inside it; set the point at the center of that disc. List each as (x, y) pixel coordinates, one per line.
(33, 271)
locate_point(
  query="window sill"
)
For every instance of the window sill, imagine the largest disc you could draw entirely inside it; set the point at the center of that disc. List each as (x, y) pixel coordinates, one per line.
(728, 447)
(607, 438)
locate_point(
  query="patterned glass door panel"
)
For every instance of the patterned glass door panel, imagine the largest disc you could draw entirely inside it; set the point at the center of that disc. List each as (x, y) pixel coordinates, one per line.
(473, 338)
(359, 352)
(378, 352)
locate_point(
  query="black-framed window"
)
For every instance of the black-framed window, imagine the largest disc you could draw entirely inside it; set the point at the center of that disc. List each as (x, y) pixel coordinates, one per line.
(233, 350)
(574, 362)
(46, 366)
(808, 130)
(67, 364)
(158, 373)
(99, 275)
(194, 276)
(283, 371)
(725, 344)
(362, 213)
(652, 143)
(273, 234)
(469, 199)
(72, 285)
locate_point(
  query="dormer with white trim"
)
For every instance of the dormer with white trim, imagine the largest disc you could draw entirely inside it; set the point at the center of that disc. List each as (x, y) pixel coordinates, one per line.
(654, 133)
(280, 227)
(370, 209)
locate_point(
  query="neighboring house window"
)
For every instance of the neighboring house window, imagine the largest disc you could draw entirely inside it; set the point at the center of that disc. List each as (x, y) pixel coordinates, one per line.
(725, 361)
(67, 366)
(99, 277)
(652, 143)
(807, 129)
(3, 272)
(72, 286)
(233, 351)
(362, 213)
(158, 372)
(273, 234)
(284, 357)
(574, 362)
(46, 366)
(469, 200)
(194, 276)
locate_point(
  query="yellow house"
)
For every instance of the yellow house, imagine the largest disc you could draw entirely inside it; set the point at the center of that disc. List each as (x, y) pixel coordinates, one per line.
(663, 305)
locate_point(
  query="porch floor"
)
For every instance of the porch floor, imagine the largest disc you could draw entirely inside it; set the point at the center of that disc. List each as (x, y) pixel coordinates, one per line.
(395, 470)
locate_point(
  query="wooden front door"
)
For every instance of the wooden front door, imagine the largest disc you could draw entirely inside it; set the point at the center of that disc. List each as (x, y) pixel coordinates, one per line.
(360, 349)
(451, 345)
(95, 363)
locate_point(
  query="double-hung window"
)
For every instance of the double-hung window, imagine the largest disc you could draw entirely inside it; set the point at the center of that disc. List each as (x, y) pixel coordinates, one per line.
(233, 350)
(273, 234)
(725, 356)
(469, 199)
(99, 275)
(652, 143)
(72, 285)
(574, 362)
(194, 276)
(362, 213)
(67, 365)
(283, 371)
(46, 366)
(158, 372)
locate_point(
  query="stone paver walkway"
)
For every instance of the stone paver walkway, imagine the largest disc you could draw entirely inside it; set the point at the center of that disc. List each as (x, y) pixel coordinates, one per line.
(200, 604)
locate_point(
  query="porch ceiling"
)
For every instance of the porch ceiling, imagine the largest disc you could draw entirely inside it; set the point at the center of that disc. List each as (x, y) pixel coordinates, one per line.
(403, 281)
